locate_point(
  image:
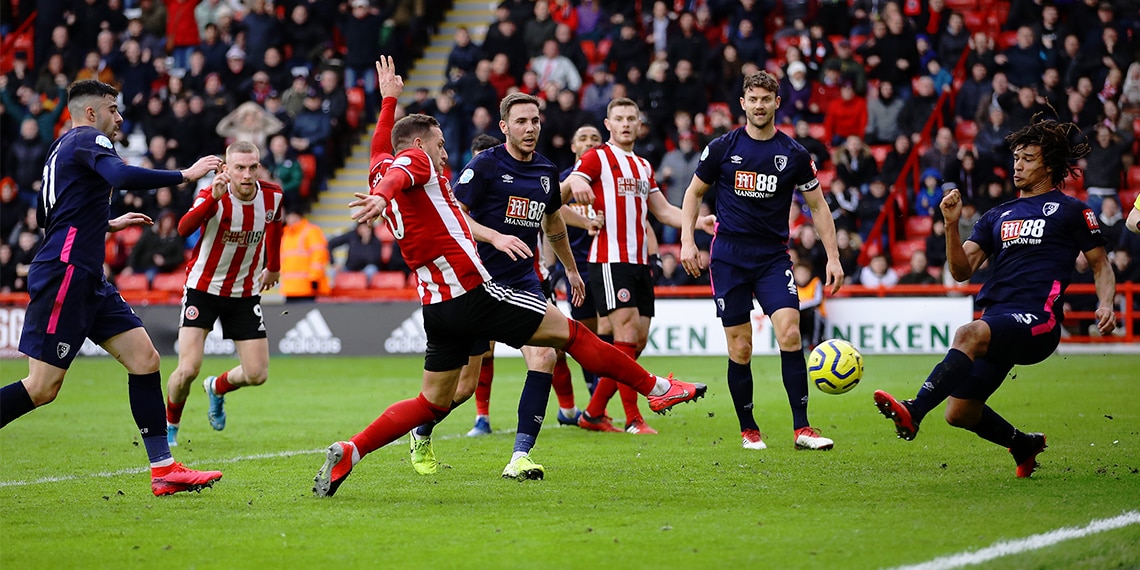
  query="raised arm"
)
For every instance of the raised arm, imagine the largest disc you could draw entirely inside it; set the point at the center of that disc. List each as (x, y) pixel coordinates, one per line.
(964, 258)
(391, 86)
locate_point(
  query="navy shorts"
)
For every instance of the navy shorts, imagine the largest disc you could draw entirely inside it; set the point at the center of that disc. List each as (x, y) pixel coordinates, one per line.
(67, 306)
(241, 316)
(492, 311)
(621, 285)
(1023, 337)
(740, 272)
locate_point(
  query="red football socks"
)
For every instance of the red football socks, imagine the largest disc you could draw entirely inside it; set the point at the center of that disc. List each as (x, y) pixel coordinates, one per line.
(483, 388)
(396, 421)
(222, 385)
(174, 412)
(563, 385)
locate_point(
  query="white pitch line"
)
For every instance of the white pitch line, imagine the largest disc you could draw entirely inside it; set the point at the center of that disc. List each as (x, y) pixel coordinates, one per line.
(137, 470)
(1035, 542)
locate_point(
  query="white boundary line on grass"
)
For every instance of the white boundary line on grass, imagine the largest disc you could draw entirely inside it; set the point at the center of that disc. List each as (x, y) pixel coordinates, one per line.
(137, 470)
(1035, 542)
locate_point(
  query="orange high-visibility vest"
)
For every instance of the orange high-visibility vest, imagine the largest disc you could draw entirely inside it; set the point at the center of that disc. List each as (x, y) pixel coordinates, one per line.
(304, 259)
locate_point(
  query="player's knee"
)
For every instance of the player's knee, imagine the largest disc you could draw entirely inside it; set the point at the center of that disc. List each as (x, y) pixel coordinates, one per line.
(545, 360)
(740, 350)
(43, 391)
(257, 377)
(145, 362)
(961, 416)
(789, 338)
(968, 338)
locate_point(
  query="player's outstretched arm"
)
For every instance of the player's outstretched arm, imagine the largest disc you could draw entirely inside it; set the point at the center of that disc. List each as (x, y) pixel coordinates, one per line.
(964, 258)
(391, 86)
(127, 220)
(555, 229)
(571, 217)
(690, 209)
(1105, 282)
(825, 226)
(579, 189)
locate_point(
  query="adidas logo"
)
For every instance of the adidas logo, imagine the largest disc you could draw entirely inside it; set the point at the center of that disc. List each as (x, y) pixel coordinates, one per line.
(409, 337)
(311, 335)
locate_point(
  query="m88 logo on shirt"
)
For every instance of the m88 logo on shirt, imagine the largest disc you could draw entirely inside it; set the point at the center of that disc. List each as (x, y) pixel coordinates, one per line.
(754, 185)
(524, 212)
(1018, 232)
(632, 187)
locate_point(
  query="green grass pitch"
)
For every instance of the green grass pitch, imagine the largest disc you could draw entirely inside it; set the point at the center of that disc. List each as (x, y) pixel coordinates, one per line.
(74, 494)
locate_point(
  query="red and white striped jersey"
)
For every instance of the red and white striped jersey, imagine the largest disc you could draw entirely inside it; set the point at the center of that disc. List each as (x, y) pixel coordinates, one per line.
(424, 216)
(230, 255)
(622, 182)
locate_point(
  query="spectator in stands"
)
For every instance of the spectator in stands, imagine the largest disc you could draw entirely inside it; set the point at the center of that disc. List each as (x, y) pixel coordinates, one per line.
(282, 166)
(971, 94)
(1122, 266)
(236, 76)
(795, 95)
(942, 155)
(502, 38)
(214, 49)
(809, 249)
(25, 250)
(304, 257)
(943, 81)
(1117, 122)
(564, 12)
(13, 207)
(1092, 107)
(25, 160)
(878, 273)
(598, 92)
(361, 30)
(538, 30)
(688, 90)
(93, 68)
(671, 274)
(181, 29)
(591, 20)
(843, 201)
(1077, 110)
(305, 35)
(824, 92)
(954, 40)
(929, 193)
(1069, 61)
(919, 109)
(364, 249)
(1098, 59)
(293, 99)
(1103, 167)
(870, 205)
(261, 29)
(970, 216)
(159, 250)
(553, 67)
(1026, 106)
(501, 78)
(8, 279)
(849, 69)
(896, 159)
(674, 173)
(570, 47)
(1130, 92)
(749, 44)
(919, 273)
(464, 54)
(310, 134)
(156, 119)
(687, 43)
(982, 51)
(845, 116)
(971, 174)
(894, 56)
(935, 246)
(990, 140)
(849, 245)
(883, 115)
(815, 147)
(249, 122)
(1111, 220)
(454, 127)
(994, 195)
(659, 103)
(1024, 62)
(158, 156)
(628, 50)
(854, 163)
(1051, 92)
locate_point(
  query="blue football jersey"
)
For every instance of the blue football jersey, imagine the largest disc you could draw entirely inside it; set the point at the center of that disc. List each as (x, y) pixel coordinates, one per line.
(510, 197)
(1032, 244)
(75, 200)
(754, 181)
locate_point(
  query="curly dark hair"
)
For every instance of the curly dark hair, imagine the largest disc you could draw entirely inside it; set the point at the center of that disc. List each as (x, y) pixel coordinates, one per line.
(1062, 145)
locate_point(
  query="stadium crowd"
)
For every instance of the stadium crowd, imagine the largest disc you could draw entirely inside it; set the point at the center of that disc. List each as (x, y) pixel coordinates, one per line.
(865, 84)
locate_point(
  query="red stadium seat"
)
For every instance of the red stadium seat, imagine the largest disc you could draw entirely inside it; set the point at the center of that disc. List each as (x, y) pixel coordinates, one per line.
(787, 129)
(355, 106)
(389, 280)
(965, 132)
(673, 249)
(918, 226)
(1134, 177)
(132, 282)
(974, 20)
(817, 131)
(825, 177)
(590, 50)
(129, 236)
(350, 281)
(1128, 199)
(902, 249)
(170, 282)
(961, 5)
(1007, 39)
(604, 49)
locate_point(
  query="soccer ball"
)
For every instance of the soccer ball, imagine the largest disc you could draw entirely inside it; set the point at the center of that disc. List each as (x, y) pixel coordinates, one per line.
(835, 367)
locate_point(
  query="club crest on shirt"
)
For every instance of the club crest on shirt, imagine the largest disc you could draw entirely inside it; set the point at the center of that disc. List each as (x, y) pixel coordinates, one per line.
(1049, 208)
(781, 162)
(545, 182)
(62, 349)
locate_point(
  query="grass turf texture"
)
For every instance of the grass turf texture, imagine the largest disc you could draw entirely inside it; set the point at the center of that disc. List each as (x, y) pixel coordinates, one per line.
(687, 498)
